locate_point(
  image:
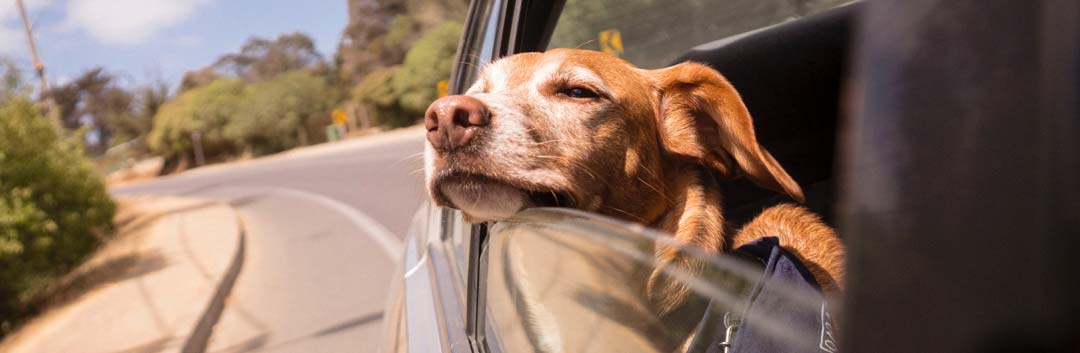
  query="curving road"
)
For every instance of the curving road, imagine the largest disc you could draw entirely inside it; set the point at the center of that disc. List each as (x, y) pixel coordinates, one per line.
(323, 232)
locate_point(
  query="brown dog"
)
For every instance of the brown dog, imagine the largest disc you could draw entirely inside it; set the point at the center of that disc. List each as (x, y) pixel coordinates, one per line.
(587, 130)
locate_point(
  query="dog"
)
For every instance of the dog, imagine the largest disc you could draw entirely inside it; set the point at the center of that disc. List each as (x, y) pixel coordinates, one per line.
(587, 130)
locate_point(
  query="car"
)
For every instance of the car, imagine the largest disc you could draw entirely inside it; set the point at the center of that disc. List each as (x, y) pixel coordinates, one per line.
(560, 280)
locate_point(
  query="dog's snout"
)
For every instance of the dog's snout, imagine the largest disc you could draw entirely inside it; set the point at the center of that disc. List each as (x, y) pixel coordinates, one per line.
(453, 121)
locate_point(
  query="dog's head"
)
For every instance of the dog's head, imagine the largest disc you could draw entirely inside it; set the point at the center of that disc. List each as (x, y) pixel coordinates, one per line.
(583, 129)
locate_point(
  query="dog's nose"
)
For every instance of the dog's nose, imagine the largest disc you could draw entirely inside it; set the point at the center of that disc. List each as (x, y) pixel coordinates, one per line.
(453, 121)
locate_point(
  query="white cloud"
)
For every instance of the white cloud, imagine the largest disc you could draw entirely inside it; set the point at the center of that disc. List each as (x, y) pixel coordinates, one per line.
(128, 22)
(8, 10)
(12, 38)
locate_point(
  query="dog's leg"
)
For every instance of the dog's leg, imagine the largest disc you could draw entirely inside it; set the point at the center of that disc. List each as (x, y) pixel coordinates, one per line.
(805, 235)
(694, 220)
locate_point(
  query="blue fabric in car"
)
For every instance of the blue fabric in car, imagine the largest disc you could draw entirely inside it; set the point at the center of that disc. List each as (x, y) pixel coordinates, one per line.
(785, 313)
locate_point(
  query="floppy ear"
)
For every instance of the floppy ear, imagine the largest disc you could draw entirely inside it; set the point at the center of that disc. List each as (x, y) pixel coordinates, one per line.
(702, 119)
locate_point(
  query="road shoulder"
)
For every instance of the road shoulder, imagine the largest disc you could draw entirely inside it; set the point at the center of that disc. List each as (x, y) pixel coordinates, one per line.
(159, 285)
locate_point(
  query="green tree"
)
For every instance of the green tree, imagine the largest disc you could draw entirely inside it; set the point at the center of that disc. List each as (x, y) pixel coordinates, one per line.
(261, 59)
(93, 100)
(380, 33)
(428, 62)
(381, 100)
(205, 109)
(273, 114)
(53, 206)
(399, 95)
(12, 80)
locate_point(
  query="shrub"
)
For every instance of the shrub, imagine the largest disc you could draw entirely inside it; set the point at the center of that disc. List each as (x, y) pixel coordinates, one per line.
(273, 114)
(52, 205)
(429, 61)
(399, 95)
(376, 93)
(206, 109)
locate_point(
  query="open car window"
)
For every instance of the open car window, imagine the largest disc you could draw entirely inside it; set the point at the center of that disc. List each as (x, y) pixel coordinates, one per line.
(653, 33)
(566, 281)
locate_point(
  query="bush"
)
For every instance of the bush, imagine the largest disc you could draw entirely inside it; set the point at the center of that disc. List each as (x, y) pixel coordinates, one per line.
(51, 205)
(206, 109)
(399, 95)
(431, 60)
(272, 115)
(376, 93)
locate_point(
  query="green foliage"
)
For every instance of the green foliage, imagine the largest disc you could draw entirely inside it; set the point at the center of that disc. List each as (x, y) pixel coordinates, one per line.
(379, 33)
(264, 117)
(12, 80)
(427, 63)
(262, 59)
(376, 93)
(399, 95)
(272, 115)
(205, 109)
(51, 205)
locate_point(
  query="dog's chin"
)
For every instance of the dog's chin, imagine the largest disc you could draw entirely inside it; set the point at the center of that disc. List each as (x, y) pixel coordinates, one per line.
(484, 201)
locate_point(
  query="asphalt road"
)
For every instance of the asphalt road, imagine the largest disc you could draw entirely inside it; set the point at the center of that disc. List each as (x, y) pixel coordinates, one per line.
(323, 228)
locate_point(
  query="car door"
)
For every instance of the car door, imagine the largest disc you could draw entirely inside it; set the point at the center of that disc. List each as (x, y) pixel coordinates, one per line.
(557, 280)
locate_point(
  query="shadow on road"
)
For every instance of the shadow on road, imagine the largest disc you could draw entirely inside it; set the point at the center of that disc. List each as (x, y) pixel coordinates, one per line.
(110, 271)
(261, 341)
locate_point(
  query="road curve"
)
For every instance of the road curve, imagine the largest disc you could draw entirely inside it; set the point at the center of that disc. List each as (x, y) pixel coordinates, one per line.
(324, 228)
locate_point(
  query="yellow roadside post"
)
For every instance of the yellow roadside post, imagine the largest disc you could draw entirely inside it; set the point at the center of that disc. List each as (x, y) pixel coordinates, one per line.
(443, 86)
(611, 42)
(339, 118)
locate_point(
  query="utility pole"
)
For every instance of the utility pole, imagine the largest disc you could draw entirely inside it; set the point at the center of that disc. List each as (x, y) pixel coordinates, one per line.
(51, 111)
(39, 66)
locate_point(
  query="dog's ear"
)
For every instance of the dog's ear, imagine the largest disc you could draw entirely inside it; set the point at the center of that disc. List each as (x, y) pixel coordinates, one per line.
(703, 119)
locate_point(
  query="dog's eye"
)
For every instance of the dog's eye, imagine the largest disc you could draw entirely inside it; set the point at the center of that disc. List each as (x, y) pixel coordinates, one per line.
(579, 92)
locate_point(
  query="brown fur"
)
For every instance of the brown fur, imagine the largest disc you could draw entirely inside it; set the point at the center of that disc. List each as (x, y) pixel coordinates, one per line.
(647, 150)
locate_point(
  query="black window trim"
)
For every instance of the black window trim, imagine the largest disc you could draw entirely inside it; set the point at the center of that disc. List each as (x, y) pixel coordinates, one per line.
(516, 32)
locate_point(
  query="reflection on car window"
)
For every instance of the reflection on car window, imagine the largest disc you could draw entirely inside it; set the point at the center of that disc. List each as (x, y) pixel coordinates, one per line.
(480, 48)
(652, 33)
(565, 281)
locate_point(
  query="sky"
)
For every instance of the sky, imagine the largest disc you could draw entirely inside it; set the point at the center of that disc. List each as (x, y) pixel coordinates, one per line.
(143, 40)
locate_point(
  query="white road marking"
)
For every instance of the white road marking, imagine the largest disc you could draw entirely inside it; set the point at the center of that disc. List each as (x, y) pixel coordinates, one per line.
(378, 232)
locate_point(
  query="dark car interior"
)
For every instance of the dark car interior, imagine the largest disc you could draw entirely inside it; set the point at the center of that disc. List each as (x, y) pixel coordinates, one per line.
(958, 174)
(791, 77)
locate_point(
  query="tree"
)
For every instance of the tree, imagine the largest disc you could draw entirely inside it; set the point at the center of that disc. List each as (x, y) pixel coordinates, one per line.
(429, 61)
(380, 33)
(92, 100)
(53, 206)
(198, 78)
(399, 95)
(260, 59)
(273, 114)
(205, 109)
(138, 121)
(13, 80)
(380, 98)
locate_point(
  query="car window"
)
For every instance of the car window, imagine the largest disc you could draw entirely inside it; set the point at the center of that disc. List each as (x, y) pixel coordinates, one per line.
(477, 48)
(652, 33)
(567, 281)
(479, 45)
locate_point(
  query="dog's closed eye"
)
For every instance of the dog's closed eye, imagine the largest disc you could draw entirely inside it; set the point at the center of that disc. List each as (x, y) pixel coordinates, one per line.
(578, 92)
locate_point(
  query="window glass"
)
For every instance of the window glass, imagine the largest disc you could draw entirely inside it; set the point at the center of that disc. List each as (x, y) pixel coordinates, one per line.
(479, 48)
(653, 33)
(566, 281)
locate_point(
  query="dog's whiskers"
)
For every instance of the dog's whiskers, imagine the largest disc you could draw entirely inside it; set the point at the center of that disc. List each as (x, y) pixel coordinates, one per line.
(634, 216)
(416, 156)
(662, 194)
(584, 44)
